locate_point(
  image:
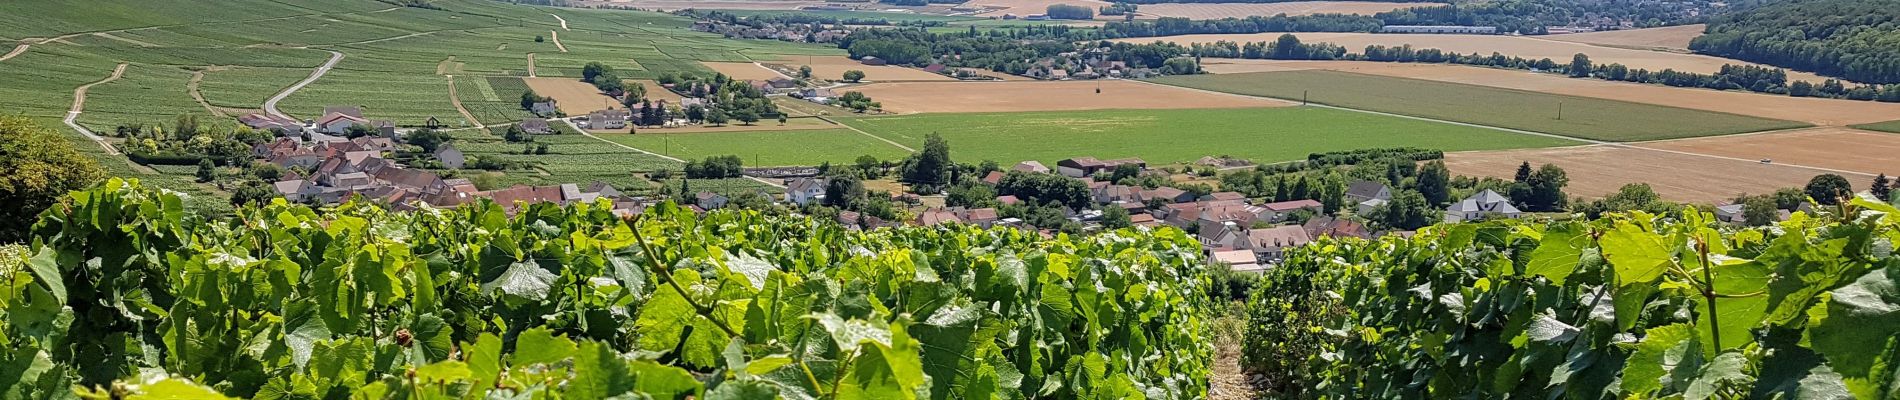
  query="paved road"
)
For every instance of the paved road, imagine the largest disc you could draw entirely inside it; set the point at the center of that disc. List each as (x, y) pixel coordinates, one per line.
(270, 106)
(79, 105)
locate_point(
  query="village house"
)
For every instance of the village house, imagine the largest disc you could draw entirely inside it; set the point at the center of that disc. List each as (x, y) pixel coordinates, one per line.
(608, 119)
(1360, 191)
(1166, 194)
(1326, 225)
(1237, 260)
(803, 191)
(1032, 166)
(449, 156)
(993, 178)
(710, 200)
(1483, 205)
(1279, 211)
(538, 126)
(265, 122)
(546, 108)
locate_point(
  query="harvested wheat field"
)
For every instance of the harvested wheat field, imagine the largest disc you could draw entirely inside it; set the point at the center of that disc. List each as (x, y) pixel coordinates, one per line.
(1845, 149)
(573, 96)
(1518, 46)
(742, 70)
(1599, 170)
(1010, 96)
(1817, 111)
(1668, 38)
(1243, 10)
(833, 68)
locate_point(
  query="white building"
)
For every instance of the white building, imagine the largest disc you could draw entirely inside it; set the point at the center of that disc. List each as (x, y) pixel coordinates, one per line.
(1484, 205)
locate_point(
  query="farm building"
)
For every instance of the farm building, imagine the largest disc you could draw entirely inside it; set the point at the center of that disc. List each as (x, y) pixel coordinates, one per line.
(1085, 166)
(1451, 29)
(449, 156)
(538, 126)
(871, 60)
(608, 119)
(804, 190)
(545, 108)
(265, 122)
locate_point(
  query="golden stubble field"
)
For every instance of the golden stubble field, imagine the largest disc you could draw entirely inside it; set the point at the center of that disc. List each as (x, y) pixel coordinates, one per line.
(573, 96)
(1010, 96)
(1820, 112)
(1518, 46)
(1668, 38)
(1599, 170)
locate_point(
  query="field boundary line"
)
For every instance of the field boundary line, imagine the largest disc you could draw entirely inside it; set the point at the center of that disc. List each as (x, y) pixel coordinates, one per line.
(577, 128)
(270, 105)
(1627, 145)
(457, 99)
(79, 105)
(861, 131)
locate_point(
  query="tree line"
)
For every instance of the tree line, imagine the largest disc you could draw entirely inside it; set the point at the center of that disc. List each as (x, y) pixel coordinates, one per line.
(1851, 39)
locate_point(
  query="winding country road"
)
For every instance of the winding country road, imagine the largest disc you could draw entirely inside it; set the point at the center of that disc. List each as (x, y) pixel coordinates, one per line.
(270, 106)
(563, 21)
(17, 50)
(557, 40)
(79, 105)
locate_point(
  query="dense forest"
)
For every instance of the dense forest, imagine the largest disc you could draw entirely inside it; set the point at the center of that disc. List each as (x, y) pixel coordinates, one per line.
(1854, 39)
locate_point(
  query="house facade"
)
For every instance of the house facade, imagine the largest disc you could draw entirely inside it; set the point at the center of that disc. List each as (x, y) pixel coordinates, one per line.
(1484, 205)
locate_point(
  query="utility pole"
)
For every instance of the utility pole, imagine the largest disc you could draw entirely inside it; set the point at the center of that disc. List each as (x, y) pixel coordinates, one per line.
(1560, 111)
(1303, 97)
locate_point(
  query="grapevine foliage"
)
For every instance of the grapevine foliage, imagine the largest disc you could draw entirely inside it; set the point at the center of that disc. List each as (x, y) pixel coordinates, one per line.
(123, 293)
(1629, 306)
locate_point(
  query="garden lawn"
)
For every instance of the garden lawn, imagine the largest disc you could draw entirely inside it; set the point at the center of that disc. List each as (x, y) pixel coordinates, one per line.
(1583, 117)
(765, 148)
(1167, 136)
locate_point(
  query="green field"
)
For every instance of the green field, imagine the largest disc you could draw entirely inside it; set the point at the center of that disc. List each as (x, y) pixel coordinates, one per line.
(1163, 136)
(888, 16)
(766, 148)
(1583, 117)
(1889, 126)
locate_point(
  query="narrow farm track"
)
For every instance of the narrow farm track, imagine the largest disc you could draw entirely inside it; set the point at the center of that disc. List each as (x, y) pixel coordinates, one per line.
(577, 128)
(1635, 146)
(79, 105)
(531, 65)
(862, 132)
(563, 21)
(139, 43)
(556, 36)
(17, 50)
(457, 100)
(270, 106)
(191, 87)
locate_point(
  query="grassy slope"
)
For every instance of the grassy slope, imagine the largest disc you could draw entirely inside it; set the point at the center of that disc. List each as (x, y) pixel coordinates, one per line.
(1265, 134)
(1583, 117)
(791, 147)
(1889, 126)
